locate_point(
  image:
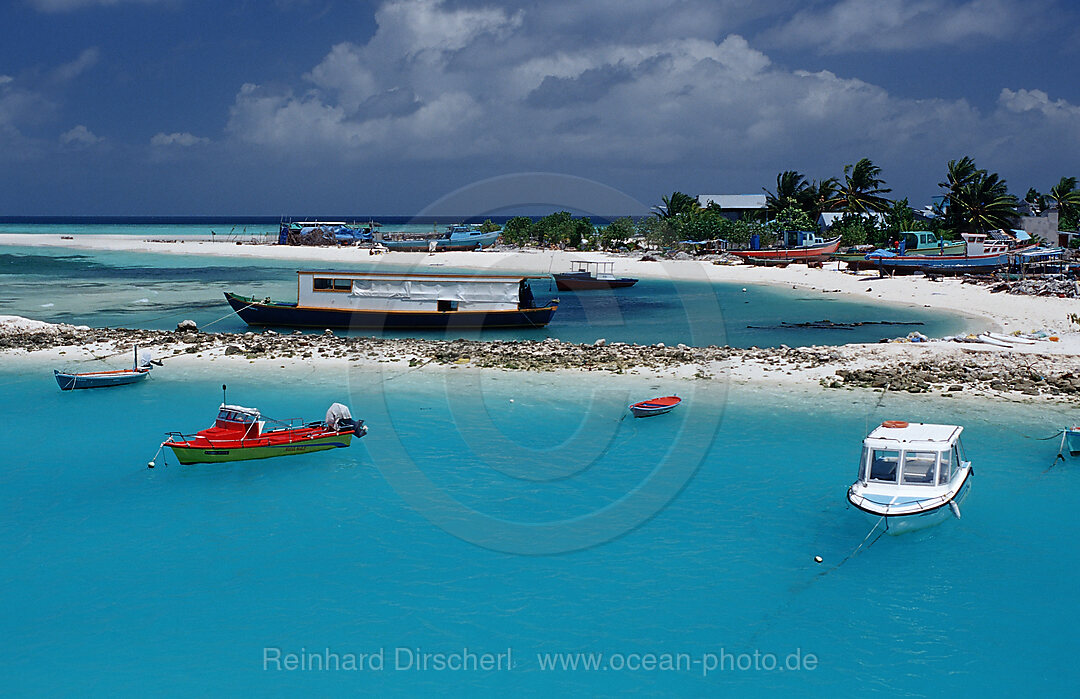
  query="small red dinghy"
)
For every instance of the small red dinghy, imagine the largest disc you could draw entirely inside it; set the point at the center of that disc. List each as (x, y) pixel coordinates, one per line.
(655, 406)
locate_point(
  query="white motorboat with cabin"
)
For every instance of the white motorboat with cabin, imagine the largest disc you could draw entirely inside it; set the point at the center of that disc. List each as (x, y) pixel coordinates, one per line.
(912, 474)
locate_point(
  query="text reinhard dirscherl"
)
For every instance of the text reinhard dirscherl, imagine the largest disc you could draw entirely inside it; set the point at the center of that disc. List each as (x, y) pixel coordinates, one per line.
(466, 660)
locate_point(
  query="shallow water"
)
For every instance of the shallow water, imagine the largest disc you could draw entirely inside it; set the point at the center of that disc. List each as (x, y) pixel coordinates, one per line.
(158, 290)
(498, 510)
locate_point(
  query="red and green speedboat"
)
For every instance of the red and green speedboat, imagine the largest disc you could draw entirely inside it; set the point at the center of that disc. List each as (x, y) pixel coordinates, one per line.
(241, 433)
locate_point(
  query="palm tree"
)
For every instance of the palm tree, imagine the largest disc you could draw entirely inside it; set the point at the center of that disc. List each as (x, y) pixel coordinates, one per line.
(819, 197)
(1067, 197)
(677, 203)
(861, 190)
(791, 189)
(983, 203)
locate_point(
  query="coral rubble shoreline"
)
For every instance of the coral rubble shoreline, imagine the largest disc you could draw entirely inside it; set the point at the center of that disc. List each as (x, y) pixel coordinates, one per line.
(943, 368)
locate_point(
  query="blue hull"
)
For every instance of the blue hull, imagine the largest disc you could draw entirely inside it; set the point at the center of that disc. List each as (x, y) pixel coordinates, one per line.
(69, 382)
(288, 315)
(1072, 438)
(454, 242)
(947, 264)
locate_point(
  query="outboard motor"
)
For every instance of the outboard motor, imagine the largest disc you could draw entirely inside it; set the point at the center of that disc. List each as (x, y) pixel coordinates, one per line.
(339, 419)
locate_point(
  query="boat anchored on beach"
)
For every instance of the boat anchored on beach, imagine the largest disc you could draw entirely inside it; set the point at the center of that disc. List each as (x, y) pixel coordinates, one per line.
(585, 276)
(800, 246)
(391, 301)
(913, 475)
(241, 433)
(458, 236)
(139, 371)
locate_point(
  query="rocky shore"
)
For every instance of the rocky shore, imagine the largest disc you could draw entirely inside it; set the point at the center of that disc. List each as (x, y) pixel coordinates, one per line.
(945, 368)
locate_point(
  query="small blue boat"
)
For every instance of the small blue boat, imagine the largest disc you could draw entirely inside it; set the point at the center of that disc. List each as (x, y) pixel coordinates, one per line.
(1072, 440)
(655, 406)
(104, 379)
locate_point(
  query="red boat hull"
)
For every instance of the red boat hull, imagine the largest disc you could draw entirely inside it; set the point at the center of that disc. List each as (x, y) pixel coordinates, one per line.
(806, 253)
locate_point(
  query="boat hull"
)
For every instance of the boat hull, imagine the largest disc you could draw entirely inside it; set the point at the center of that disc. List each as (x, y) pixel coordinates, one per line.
(1072, 440)
(289, 315)
(923, 519)
(569, 282)
(206, 454)
(656, 406)
(858, 261)
(777, 256)
(941, 264)
(484, 240)
(102, 379)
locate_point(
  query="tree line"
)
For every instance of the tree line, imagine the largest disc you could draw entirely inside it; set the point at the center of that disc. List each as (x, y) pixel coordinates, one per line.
(973, 200)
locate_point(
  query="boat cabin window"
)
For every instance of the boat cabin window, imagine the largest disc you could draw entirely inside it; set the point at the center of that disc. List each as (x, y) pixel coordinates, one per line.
(236, 416)
(947, 459)
(445, 305)
(919, 467)
(327, 284)
(884, 465)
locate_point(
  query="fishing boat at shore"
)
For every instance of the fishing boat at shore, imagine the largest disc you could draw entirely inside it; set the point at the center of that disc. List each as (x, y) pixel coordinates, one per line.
(979, 257)
(139, 371)
(392, 301)
(241, 433)
(585, 276)
(458, 236)
(913, 475)
(914, 242)
(800, 246)
(655, 406)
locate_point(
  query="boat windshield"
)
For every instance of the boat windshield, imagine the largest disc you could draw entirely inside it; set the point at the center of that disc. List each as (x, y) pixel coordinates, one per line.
(883, 465)
(919, 467)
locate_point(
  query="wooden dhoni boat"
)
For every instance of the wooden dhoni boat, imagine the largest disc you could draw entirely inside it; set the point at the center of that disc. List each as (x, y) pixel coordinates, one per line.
(396, 301)
(809, 248)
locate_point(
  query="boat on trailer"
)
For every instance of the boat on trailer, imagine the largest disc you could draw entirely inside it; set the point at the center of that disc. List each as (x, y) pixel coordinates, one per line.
(139, 371)
(655, 406)
(913, 475)
(394, 301)
(585, 276)
(240, 433)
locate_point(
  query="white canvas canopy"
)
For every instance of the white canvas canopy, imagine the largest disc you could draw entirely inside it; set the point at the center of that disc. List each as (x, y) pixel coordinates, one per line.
(500, 291)
(336, 415)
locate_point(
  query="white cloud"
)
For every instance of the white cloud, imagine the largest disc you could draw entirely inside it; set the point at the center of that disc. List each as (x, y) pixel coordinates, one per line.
(181, 139)
(1038, 101)
(79, 136)
(69, 71)
(904, 25)
(5, 79)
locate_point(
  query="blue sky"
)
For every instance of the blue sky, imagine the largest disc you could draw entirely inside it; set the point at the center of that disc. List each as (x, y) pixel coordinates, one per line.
(191, 107)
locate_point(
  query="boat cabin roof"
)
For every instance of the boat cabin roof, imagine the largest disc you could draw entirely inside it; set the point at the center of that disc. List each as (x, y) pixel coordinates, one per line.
(914, 436)
(587, 266)
(237, 413)
(455, 278)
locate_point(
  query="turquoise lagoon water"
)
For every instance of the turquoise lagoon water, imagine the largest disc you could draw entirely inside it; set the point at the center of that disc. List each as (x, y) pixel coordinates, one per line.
(158, 290)
(494, 511)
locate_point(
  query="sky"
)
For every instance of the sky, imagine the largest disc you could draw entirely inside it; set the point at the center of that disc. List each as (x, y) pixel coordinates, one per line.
(302, 107)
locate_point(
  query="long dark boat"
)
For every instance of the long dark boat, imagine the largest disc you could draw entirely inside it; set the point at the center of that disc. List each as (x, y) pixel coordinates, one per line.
(808, 248)
(586, 276)
(390, 301)
(981, 257)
